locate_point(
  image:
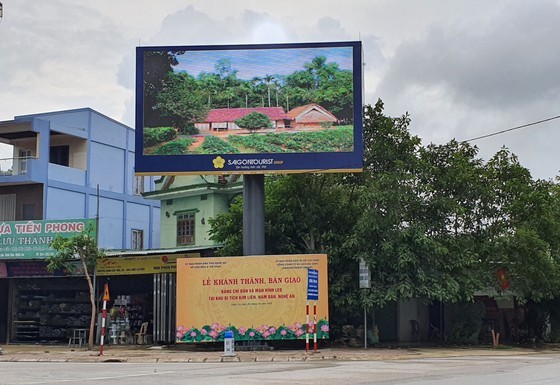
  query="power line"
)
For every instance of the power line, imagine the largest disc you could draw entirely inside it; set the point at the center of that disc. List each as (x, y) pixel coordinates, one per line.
(512, 129)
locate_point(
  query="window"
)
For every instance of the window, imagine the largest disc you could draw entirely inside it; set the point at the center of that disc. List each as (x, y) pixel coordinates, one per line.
(60, 155)
(7, 207)
(185, 229)
(28, 211)
(23, 156)
(137, 239)
(138, 185)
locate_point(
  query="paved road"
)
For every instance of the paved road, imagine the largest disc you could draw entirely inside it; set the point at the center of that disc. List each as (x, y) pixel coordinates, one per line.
(481, 370)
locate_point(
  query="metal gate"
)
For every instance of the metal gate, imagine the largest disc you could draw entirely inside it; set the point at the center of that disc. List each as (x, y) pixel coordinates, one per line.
(165, 286)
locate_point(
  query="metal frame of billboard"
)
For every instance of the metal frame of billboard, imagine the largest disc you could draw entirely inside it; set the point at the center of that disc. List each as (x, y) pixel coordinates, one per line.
(252, 163)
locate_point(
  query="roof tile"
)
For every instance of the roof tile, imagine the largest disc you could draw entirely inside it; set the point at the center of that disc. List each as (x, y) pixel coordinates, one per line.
(231, 114)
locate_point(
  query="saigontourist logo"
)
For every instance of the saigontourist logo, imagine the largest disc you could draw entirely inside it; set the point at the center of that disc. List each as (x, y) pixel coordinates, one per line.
(250, 162)
(219, 162)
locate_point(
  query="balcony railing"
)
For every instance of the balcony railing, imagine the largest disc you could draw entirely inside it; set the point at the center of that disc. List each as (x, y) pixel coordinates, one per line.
(15, 166)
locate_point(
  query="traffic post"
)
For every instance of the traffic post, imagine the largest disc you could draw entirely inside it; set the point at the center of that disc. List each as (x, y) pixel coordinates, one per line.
(104, 317)
(312, 295)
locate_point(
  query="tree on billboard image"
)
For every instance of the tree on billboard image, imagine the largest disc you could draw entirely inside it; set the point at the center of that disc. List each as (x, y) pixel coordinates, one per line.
(182, 100)
(254, 121)
(156, 67)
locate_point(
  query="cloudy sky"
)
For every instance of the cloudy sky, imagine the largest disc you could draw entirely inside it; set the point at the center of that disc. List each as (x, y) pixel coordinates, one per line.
(461, 68)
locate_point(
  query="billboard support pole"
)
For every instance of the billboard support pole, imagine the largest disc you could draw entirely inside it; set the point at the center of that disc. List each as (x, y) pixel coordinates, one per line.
(253, 214)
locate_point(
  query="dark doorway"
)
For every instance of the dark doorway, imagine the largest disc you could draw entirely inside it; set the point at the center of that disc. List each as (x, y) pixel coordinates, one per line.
(437, 325)
(60, 155)
(3, 309)
(386, 320)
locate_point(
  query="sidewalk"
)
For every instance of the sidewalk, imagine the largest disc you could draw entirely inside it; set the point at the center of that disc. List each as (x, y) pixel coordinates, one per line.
(155, 354)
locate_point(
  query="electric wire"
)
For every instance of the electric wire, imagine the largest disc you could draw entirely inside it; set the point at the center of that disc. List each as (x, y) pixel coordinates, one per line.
(511, 129)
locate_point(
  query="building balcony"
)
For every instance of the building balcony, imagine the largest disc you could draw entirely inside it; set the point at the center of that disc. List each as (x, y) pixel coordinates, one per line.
(67, 174)
(30, 170)
(21, 170)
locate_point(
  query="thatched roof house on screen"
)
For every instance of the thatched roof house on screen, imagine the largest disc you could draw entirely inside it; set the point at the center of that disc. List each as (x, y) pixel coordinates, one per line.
(224, 118)
(311, 116)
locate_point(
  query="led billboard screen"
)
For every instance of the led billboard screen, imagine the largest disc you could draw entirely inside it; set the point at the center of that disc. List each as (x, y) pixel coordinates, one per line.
(274, 108)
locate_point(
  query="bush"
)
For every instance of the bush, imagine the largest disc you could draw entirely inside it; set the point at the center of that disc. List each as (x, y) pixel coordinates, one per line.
(326, 124)
(158, 135)
(177, 147)
(254, 121)
(214, 145)
(466, 322)
(189, 130)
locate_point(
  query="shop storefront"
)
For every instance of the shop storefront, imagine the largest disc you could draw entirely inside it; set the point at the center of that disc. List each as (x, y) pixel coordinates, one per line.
(38, 306)
(130, 306)
(42, 307)
(143, 291)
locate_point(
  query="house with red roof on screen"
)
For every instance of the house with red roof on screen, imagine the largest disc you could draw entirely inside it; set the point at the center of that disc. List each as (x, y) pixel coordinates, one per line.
(224, 118)
(311, 116)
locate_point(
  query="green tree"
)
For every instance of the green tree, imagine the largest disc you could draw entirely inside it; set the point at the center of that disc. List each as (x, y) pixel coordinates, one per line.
(182, 100)
(79, 252)
(524, 229)
(229, 93)
(434, 222)
(325, 84)
(254, 121)
(227, 229)
(157, 64)
(209, 82)
(337, 96)
(268, 80)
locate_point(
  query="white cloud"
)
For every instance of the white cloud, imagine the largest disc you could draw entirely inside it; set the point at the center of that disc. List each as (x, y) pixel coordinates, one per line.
(55, 56)
(469, 79)
(462, 68)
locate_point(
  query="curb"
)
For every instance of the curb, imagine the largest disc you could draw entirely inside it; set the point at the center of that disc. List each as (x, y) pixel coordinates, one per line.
(60, 354)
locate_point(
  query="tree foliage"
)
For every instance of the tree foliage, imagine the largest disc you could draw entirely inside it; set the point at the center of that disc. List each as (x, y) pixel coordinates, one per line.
(79, 252)
(157, 65)
(254, 121)
(435, 222)
(169, 95)
(179, 101)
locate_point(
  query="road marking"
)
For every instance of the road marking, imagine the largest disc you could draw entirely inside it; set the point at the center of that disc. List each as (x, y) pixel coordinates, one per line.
(82, 379)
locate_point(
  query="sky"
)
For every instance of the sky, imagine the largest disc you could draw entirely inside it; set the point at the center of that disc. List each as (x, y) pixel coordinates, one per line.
(460, 68)
(260, 62)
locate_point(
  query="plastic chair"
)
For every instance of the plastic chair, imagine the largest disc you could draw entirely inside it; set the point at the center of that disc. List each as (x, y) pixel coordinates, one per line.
(140, 337)
(78, 338)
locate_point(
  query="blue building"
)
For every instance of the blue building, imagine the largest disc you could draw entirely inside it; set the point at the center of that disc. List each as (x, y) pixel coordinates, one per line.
(65, 163)
(71, 164)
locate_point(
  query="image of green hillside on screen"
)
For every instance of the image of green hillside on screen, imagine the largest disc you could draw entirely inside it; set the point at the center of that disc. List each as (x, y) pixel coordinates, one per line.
(257, 101)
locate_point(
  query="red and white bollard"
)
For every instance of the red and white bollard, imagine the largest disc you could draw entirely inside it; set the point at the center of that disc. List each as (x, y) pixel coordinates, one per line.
(104, 318)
